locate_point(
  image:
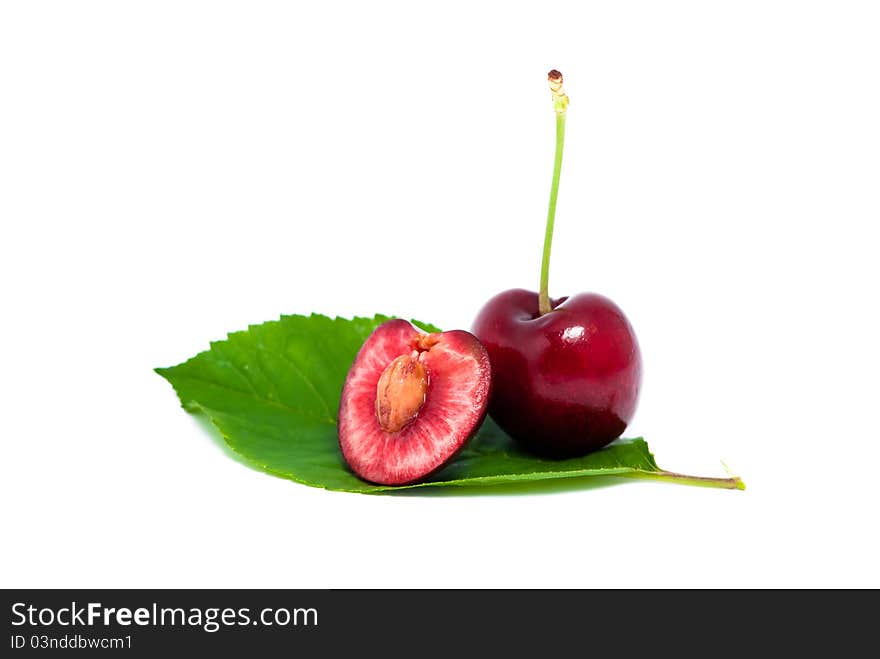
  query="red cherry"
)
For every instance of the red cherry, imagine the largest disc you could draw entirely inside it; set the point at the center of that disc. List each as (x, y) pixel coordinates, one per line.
(566, 382)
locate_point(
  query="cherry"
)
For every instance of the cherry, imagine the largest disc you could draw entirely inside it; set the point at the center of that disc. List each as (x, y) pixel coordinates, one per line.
(566, 373)
(410, 402)
(566, 382)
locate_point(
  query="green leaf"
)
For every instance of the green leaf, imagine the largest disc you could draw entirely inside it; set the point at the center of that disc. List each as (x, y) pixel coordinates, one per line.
(273, 391)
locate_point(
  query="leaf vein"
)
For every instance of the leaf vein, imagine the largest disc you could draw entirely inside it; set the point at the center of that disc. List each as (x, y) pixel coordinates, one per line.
(245, 394)
(304, 378)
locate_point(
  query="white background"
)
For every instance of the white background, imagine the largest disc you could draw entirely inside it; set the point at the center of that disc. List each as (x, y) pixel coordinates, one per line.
(171, 171)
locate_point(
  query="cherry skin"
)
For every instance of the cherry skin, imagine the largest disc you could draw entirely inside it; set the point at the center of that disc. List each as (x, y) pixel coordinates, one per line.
(565, 383)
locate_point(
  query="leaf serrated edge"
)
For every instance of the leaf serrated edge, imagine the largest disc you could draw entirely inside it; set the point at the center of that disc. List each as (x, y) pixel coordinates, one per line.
(380, 318)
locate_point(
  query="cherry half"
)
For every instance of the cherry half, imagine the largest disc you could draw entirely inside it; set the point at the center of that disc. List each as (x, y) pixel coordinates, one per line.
(410, 401)
(566, 373)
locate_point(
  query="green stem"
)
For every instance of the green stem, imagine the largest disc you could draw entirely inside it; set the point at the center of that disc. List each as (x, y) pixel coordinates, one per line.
(730, 483)
(543, 294)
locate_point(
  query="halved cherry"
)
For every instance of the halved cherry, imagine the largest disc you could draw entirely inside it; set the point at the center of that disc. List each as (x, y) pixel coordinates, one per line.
(410, 401)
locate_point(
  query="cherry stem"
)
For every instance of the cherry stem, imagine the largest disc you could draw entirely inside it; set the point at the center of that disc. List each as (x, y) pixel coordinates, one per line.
(560, 104)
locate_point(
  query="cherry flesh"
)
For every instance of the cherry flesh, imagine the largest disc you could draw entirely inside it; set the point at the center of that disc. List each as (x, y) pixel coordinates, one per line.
(410, 402)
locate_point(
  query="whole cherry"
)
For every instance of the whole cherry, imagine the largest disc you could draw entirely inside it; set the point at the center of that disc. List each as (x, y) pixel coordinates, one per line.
(566, 373)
